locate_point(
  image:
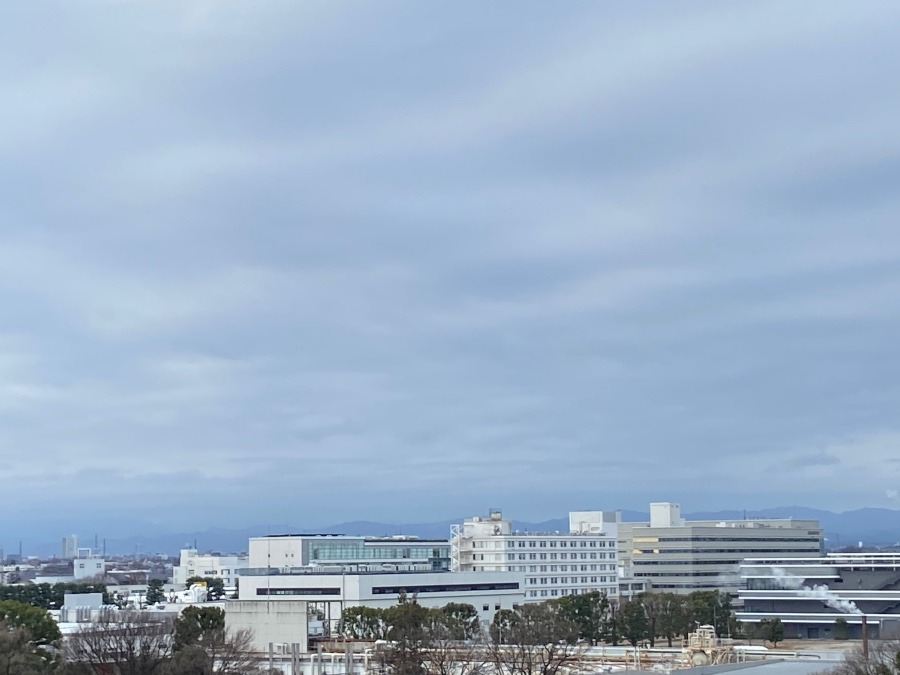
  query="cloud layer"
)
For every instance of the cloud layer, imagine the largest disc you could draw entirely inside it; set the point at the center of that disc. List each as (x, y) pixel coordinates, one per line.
(323, 261)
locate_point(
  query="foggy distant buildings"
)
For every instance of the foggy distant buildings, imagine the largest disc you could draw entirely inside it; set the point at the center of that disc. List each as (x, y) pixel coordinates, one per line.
(69, 547)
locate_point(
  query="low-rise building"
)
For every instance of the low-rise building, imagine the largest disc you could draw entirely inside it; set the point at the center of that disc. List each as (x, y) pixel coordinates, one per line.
(208, 565)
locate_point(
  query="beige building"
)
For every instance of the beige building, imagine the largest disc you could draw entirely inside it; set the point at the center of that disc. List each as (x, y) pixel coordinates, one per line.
(681, 556)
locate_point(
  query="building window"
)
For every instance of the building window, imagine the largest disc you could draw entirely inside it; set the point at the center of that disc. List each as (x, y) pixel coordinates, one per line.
(497, 607)
(485, 608)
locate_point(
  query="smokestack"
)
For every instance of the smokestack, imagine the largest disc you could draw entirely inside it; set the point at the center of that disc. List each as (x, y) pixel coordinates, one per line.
(865, 637)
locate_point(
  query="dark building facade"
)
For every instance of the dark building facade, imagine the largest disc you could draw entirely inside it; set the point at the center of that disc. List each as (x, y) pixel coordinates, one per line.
(826, 597)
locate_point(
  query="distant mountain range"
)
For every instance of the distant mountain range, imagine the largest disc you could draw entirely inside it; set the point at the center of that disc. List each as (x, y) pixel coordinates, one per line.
(877, 527)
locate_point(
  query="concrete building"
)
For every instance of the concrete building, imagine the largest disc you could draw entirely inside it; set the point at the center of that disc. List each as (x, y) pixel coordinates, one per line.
(88, 566)
(553, 564)
(212, 565)
(329, 592)
(680, 556)
(810, 594)
(291, 551)
(279, 624)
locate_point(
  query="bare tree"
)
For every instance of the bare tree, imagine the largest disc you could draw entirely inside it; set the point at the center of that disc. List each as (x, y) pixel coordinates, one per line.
(448, 655)
(134, 643)
(883, 659)
(231, 653)
(537, 640)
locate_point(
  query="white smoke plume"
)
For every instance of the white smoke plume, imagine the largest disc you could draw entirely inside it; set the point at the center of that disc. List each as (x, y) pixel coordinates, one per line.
(820, 592)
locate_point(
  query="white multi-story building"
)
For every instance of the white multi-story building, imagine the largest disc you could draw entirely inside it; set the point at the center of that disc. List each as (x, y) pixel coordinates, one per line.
(214, 566)
(330, 592)
(679, 556)
(554, 564)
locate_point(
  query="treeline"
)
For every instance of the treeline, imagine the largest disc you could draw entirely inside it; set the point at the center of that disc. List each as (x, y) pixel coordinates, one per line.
(590, 618)
(49, 596)
(648, 617)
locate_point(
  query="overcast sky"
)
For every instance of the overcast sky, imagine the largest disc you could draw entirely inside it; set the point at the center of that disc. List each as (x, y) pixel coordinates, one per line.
(312, 262)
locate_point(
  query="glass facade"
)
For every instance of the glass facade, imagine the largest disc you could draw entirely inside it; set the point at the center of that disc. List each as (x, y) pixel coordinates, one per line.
(434, 554)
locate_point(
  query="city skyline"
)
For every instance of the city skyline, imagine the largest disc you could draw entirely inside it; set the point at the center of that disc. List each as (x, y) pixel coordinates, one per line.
(317, 262)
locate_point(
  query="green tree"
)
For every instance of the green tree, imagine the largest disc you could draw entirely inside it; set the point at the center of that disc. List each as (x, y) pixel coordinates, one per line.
(49, 596)
(671, 616)
(363, 623)
(460, 620)
(502, 624)
(407, 623)
(196, 624)
(215, 587)
(772, 630)
(633, 621)
(610, 629)
(588, 611)
(18, 655)
(41, 627)
(841, 629)
(710, 608)
(155, 592)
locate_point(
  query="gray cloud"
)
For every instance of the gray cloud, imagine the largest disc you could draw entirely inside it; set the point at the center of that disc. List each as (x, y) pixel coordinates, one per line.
(325, 262)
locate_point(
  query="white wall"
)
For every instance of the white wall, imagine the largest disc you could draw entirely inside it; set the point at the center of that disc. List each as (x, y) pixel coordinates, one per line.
(282, 622)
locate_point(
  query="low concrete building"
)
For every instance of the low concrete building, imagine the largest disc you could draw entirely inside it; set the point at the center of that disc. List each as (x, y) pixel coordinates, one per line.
(281, 624)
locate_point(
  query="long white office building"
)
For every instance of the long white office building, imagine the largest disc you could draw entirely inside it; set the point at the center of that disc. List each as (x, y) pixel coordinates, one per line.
(293, 551)
(330, 592)
(553, 564)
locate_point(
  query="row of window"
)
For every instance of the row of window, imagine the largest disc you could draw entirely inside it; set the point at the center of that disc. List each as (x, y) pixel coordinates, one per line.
(543, 568)
(533, 581)
(542, 543)
(726, 537)
(740, 552)
(557, 592)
